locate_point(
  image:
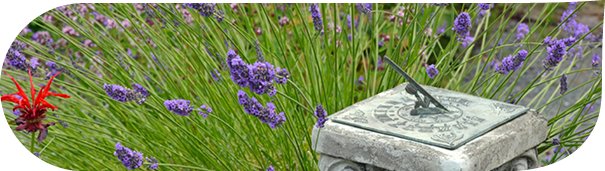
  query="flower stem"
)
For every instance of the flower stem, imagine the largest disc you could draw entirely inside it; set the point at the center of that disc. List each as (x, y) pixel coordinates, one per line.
(290, 98)
(31, 147)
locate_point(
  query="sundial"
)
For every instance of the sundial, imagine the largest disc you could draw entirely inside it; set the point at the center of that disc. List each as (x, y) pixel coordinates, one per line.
(429, 115)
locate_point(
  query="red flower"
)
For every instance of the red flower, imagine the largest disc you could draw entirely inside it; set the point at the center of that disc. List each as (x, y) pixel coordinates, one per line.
(32, 114)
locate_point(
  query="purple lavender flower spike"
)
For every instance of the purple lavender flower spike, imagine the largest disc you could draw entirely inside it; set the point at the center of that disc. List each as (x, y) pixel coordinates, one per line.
(51, 64)
(280, 119)
(580, 30)
(216, 75)
(17, 112)
(205, 113)
(241, 73)
(284, 74)
(547, 41)
(154, 162)
(316, 17)
(116, 92)
(262, 78)
(462, 25)
(270, 168)
(220, 15)
(555, 52)
(364, 8)
(569, 41)
(157, 60)
(265, 115)
(259, 54)
(18, 60)
(511, 63)
(130, 159)
(179, 106)
(511, 101)
(379, 63)
(596, 60)
(571, 26)
(432, 71)
(140, 89)
(484, 6)
(555, 141)
(230, 56)
(251, 105)
(360, 80)
(205, 9)
(441, 29)
(587, 108)
(467, 41)
(522, 30)
(321, 114)
(563, 84)
(349, 21)
(268, 115)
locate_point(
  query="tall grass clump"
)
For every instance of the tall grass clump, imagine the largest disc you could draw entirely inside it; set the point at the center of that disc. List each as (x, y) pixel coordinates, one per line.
(205, 86)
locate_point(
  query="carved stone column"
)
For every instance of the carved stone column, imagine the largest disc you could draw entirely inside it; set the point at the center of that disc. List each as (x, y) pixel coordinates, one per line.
(525, 161)
(331, 163)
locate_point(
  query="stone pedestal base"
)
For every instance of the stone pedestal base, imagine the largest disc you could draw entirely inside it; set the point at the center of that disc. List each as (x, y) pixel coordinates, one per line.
(503, 148)
(379, 134)
(527, 160)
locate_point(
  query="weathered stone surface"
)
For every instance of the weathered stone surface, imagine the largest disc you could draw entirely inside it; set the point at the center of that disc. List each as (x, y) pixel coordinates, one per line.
(397, 113)
(487, 152)
(525, 161)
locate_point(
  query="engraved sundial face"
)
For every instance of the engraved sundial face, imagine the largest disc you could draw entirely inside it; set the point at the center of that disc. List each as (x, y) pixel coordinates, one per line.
(467, 118)
(441, 118)
(403, 111)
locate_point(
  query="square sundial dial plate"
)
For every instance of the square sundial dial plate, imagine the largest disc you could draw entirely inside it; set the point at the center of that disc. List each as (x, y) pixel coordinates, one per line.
(468, 116)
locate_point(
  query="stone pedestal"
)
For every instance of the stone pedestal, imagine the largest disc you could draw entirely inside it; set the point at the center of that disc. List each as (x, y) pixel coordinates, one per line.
(508, 146)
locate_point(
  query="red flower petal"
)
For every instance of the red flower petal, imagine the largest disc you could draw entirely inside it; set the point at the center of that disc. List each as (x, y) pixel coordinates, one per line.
(59, 95)
(44, 92)
(10, 98)
(17, 107)
(24, 103)
(46, 105)
(21, 92)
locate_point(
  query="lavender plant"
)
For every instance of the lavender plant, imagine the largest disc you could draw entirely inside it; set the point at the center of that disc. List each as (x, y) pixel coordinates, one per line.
(277, 71)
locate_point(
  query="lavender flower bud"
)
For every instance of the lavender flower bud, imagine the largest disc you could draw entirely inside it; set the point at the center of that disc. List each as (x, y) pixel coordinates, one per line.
(563, 84)
(321, 114)
(462, 25)
(179, 106)
(316, 17)
(522, 30)
(432, 71)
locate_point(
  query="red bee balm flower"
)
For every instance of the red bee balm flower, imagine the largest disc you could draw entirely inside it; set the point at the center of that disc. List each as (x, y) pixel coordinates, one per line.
(32, 114)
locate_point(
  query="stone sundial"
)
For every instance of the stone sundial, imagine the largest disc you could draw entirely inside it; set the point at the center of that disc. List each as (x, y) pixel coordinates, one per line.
(428, 115)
